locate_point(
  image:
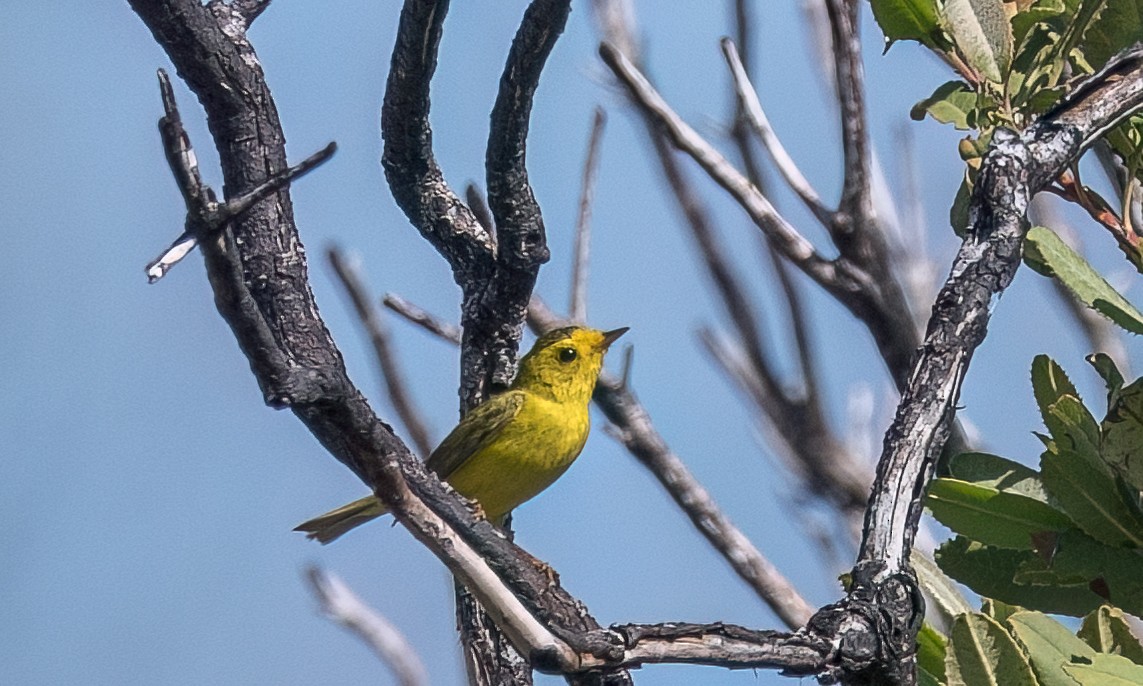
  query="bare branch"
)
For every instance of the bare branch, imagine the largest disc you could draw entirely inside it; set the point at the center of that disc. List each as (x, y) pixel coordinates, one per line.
(250, 9)
(792, 244)
(378, 332)
(342, 605)
(414, 177)
(875, 298)
(853, 223)
(748, 100)
(577, 308)
(800, 437)
(423, 319)
(206, 216)
(724, 645)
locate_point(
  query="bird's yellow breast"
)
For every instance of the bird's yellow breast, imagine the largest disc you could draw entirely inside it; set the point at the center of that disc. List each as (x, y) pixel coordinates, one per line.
(531, 452)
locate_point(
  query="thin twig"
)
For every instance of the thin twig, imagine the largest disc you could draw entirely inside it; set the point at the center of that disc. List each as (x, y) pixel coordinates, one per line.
(792, 244)
(752, 107)
(875, 298)
(432, 324)
(205, 215)
(340, 604)
(853, 223)
(378, 332)
(577, 308)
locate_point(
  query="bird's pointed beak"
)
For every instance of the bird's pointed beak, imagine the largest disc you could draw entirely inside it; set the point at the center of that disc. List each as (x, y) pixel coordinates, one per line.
(610, 336)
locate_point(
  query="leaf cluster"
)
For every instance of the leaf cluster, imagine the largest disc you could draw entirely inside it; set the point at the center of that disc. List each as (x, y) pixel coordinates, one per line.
(1066, 539)
(1016, 60)
(1008, 646)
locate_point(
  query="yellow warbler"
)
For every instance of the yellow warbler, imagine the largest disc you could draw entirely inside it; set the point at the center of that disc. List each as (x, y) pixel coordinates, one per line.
(515, 444)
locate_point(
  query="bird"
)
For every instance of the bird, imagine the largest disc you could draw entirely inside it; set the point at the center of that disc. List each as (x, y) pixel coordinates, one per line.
(514, 445)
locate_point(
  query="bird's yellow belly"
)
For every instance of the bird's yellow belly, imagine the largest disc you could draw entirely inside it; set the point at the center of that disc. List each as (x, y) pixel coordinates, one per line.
(523, 460)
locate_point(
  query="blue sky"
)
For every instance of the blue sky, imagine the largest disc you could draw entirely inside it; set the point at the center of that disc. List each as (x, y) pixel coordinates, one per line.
(147, 493)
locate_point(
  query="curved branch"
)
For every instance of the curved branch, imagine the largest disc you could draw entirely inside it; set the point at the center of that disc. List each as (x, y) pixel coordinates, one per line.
(411, 170)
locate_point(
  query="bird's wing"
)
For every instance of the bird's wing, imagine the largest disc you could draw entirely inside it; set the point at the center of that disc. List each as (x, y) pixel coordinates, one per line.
(475, 432)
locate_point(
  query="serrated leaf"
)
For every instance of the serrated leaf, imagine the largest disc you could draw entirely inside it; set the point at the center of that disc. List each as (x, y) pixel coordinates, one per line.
(992, 571)
(982, 653)
(1049, 383)
(1091, 498)
(908, 20)
(953, 102)
(1047, 254)
(1123, 434)
(982, 33)
(1073, 428)
(1106, 670)
(984, 469)
(939, 588)
(931, 648)
(1048, 644)
(1106, 630)
(993, 517)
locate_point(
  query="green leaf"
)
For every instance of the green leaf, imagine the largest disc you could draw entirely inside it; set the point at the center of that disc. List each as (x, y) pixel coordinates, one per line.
(1042, 11)
(1092, 499)
(939, 588)
(1106, 670)
(924, 678)
(1049, 383)
(908, 20)
(1123, 434)
(931, 647)
(984, 469)
(993, 517)
(953, 102)
(1106, 630)
(1046, 253)
(992, 572)
(1127, 141)
(982, 33)
(1049, 646)
(1119, 26)
(998, 609)
(1086, 12)
(1073, 428)
(1112, 377)
(1116, 573)
(982, 653)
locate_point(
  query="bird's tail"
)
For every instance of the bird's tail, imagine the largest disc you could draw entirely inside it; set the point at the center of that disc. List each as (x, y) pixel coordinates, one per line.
(329, 526)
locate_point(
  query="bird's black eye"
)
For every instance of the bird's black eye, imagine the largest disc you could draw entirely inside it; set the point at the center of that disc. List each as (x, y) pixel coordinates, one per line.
(567, 355)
